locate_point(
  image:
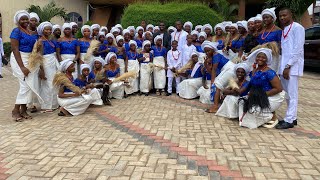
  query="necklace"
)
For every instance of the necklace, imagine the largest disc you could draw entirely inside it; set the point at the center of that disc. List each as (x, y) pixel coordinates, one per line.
(135, 55)
(50, 42)
(286, 35)
(70, 77)
(158, 49)
(262, 35)
(27, 31)
(257, 70)
(178, 36)
(240, 85)
(68, 40)
(175, 57)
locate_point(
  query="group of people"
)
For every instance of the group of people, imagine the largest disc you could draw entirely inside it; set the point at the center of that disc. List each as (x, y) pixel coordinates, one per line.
(248, 67)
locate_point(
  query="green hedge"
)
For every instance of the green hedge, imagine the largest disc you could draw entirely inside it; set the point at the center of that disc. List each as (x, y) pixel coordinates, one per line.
(154, 12)
(7, 49)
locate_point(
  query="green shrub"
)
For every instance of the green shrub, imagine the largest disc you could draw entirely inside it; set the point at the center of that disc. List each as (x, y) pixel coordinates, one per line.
(7, 49)
(79, 34)
(154, 12)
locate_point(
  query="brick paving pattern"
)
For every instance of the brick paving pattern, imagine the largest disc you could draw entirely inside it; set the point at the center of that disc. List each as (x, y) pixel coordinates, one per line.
(157, 138)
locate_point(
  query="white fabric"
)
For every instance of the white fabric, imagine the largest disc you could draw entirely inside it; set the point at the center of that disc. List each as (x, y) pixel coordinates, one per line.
(145, 43)
(118, 38)
(235, 25)
(188, 88)
(198, 27)
(122, 65)
(66, 25)
(209, 44)
(255, 118)
(78, 105)
(227, 72)
(251, 19)
(109, 56)
(170, 81)
(271, 12)
(156, 28)
(149, 26)
(34, 15)
(125, 31)
(71, 56)
(157, 38)
(133, 65)
(95, 26)
(47, 91)
(202, 34)
(188, 23)
(186, 53)
(20, 14)
(219, 25)
(133, 42)
(292, 93)
(204, 27)
(85, 27)
(119, 26)
(29, 84)
(159, 74)
(195, 68)
(139, 28)
(251, 59)
(43, 25)
(116, 89)
(145, 77)
(131, 28)
(103, 28)
(181, 37)
(89, 61)
(195, 32)
(84, 66)
(114, 29)
(258, 17)
(171, 28)
(56, 26)
(243, 24)
(172, 63)
(205, 93)
(229, 108)
(293, 49)
(228, 54)
(73, 24)
(1, 54)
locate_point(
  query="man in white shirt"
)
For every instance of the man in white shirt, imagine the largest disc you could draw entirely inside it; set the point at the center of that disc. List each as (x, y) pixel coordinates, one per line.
(291, 64)
(179, 35)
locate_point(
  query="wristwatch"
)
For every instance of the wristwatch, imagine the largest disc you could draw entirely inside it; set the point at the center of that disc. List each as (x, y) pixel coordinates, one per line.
(287, 66)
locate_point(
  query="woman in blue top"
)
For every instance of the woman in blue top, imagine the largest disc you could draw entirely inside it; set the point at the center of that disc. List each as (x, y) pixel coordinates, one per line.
(132, 64)
(112, 71)
(68, 48)
(238, 42)
(22, 42)
(226, 69)
(270, 32)
(139, 37)
(230, 106)
(219, 37)
(121, 52)
(126, 36)
(188, 88)
(145, 57)
(204, 91)
(159, 74)
(84, 42)
(265, 92)
(50, 68)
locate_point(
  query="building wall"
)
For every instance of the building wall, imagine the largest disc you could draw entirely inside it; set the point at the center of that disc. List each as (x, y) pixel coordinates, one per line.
(9, 7)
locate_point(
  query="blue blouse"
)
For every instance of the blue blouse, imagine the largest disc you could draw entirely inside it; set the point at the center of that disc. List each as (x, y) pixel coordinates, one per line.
(65, 89)
(84, 45)
(273, 36)
(150, 56)
(68, 47)
(159, 51)
(199, 49)
(103, 47)
(126, 46)
(49, 47)
(112, 74)
(221, 44)
(132, 56)
(237, 44)
(262, 79)
(246, 85)
(220, 60)
(26, 41)
(80, 83)
(119, 56)
(139, 43)
(197, 74)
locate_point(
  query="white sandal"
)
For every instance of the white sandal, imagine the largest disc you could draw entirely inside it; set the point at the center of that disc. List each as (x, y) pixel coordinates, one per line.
(271, 124)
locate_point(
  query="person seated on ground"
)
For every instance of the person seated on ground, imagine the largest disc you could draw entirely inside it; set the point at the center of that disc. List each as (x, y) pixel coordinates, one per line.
(112, 71)
(72, 100)
(230, 105)
(265, 93)
(204, 91)
(189, 87)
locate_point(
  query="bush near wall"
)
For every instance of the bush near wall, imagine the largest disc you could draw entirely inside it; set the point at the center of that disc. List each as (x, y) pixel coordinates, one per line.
(7, 49)
(154, 12)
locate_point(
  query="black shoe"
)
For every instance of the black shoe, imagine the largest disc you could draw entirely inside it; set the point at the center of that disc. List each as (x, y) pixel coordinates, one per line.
(169, 94)
(61, 114)
(284, 125)
(295, 122)
(147, 94)
(1, 76)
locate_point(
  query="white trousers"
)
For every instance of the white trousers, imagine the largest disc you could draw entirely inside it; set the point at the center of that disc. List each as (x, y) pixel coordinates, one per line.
(291, 88)
(170, 81)
(0, 64)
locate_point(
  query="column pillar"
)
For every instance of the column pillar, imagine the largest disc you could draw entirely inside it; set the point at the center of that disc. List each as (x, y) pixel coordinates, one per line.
(242, 9)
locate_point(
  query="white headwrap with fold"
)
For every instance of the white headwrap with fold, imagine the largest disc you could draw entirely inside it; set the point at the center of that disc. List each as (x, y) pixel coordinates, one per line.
(101, 33)
(156, 28)
(118, 38)
(150, 26)
(99, 59)
(258, 17)
(195, 32)
(139, 28)
(251, 19)
(64, 65)
(271, 12)
(252, 57)
(119, 26)
(115, 29)
(125, 31)
(131, 28)
(235, 25)
(145, 43)
(243, 24)
(203, 34)
(243, 66)
(34, 15)
(207, 26)
(197, 65)
(85, 27)
(83, 66)
(19, 14)
(145, 33)
(95, 26)
(188, 23)
(66, 25)
(56, 26)
(209, 44)
(172, 28)
(198, 27)
(43, 25)
(104, 28)
(227, 23)
(110, 35)
(73, 24)
(109, 56)
(219, 25)
(133, 42)
(157, 38)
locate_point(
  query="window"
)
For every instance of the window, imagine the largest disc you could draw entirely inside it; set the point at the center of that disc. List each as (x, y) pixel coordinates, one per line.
(313, 33)
(75, 17)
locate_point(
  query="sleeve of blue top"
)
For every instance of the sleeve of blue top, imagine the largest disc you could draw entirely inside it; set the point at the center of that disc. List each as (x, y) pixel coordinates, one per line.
(15, 34)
